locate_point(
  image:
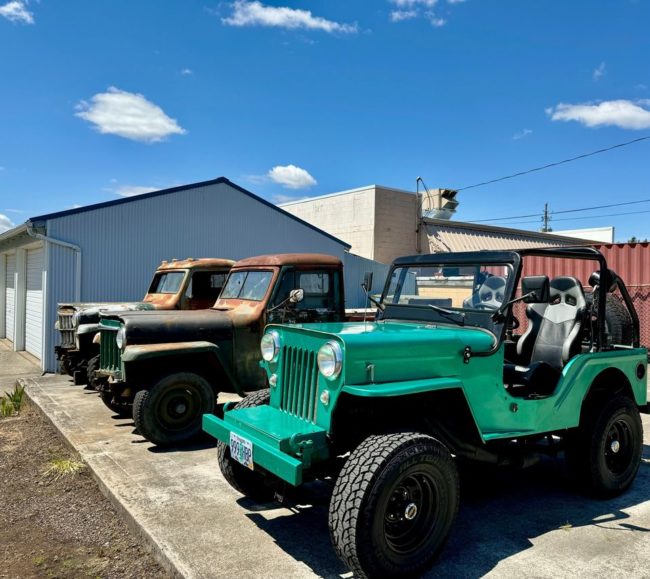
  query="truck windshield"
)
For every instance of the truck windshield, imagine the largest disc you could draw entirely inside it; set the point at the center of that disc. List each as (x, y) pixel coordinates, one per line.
(167, 283)
(463, 287)
(247, 285)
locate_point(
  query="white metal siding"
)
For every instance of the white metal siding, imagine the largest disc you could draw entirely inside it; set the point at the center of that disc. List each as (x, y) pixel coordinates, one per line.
(34, 302)
(10, 296)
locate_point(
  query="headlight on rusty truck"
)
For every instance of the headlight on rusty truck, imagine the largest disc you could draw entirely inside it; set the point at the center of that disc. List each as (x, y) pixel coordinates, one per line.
(270, 346)
(330, 360)
(120, 338)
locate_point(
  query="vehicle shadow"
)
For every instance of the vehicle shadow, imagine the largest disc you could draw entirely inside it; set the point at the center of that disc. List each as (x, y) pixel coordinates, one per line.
(501, 513)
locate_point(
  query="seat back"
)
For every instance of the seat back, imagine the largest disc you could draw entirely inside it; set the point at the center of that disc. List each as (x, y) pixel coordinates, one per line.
(490, 294)
(559, 335)
(525, 344)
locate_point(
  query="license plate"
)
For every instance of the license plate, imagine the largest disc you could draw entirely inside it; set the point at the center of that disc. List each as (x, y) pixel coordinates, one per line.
(241, 450)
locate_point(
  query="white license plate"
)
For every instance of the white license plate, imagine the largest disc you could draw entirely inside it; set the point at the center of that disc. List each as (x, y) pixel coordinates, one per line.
(241, 450)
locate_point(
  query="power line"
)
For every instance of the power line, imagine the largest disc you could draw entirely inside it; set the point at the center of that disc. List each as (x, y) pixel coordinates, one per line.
(580, 218)
(555, 164)
(564, 211)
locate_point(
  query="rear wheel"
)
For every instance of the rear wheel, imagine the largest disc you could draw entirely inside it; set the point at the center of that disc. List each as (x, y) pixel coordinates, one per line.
(606, 451)
(393, 505)
(171, 411)
(94, 381)
(250, 483)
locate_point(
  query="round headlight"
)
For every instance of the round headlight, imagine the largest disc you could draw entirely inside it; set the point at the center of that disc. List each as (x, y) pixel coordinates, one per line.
(330, 360)
(120, 338)
(270, 346)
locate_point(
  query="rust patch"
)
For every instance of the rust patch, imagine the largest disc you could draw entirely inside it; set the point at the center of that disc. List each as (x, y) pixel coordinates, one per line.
(200, 263)
(297, 259)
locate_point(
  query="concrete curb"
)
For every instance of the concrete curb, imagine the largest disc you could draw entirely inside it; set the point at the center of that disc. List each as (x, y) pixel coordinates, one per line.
(157, 551)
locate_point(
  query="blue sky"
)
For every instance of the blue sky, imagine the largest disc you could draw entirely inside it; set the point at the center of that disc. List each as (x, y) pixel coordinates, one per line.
(300, 98)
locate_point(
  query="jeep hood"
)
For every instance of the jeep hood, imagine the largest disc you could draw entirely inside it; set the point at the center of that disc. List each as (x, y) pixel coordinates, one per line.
(153, 327)
(401, 351)
(89, 312)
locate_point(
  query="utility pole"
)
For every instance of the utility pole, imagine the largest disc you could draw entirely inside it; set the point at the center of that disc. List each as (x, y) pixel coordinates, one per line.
(546, 219)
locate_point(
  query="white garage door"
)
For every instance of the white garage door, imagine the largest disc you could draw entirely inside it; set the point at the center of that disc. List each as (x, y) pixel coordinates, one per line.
(10, 296)
(34, 302)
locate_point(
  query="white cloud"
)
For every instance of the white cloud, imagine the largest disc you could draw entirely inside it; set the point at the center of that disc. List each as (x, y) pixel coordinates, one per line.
(257, 14)
(133, 190)
(411, 3)
(599, 71)
(280, 198)
(15, 210)
(625, 114)
(187, 71)
(291, 177)
(399, 15)
(17, 12)
(128, 115)
(435, 20)
(521, 134)
(5, 223)
(455, 1)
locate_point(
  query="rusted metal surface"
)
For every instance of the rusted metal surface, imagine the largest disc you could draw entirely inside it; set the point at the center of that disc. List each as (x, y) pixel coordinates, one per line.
(316, 259)
(191, 263)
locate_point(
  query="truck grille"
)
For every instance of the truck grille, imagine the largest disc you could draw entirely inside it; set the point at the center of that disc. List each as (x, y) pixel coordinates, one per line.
(110, 357)
(299, 383)
(66, 328)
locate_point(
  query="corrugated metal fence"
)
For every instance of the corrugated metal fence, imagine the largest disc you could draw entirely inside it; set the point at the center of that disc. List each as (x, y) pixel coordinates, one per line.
(631, 261)
(354, 269)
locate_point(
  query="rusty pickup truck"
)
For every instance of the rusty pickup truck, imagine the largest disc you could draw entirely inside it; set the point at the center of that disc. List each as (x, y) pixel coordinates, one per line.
(188, 284)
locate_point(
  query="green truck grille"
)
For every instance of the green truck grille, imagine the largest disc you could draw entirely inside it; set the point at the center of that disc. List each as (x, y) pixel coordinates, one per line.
(110, 357)
(299, 383)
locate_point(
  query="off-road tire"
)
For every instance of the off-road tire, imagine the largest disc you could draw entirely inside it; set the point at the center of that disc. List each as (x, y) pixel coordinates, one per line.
(158, 412)
(618, 322)
(123, 409)
(249, 483)
(604, 453)
(364, 513)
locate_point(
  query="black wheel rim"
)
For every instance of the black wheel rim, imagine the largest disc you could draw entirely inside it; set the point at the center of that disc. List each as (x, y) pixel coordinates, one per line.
(179, 407)
(618, 446)
(411, 512)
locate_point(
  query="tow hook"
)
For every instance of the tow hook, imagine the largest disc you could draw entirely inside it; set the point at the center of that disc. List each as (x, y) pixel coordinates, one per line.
(467, 354)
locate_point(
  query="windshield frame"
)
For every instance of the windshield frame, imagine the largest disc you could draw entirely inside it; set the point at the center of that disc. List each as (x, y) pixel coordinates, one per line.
(272, 274)
(161, 273)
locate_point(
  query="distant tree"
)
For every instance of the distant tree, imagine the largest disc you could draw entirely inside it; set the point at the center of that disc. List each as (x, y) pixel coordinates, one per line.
(633, 239)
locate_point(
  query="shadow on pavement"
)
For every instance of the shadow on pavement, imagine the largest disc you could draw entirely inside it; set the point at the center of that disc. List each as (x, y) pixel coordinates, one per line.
(496, 520)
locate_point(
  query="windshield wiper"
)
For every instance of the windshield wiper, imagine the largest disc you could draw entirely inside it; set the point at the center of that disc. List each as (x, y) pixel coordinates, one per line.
(458, 317)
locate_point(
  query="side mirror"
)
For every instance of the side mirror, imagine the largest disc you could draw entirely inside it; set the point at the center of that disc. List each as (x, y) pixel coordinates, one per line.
(296, 295)
(536, 288)
(367, 282)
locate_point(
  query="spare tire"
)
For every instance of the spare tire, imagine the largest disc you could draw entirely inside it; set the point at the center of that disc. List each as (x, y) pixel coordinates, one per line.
(618, 322)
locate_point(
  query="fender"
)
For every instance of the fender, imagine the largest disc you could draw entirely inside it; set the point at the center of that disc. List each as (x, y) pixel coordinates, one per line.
(87, 329)
(402, 388)
(138, 353)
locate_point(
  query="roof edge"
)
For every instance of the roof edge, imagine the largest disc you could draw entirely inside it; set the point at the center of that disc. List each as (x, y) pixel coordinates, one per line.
(13, 232)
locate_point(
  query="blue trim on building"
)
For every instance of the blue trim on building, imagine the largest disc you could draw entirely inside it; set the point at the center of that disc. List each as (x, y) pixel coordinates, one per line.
(220, 180)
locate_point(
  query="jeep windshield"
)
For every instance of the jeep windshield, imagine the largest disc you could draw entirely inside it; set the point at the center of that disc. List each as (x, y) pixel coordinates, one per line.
(247, 285)
(449, 288)
(169, 282)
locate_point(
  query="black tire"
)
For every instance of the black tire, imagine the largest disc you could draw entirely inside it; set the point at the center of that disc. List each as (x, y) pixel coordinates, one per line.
(618, 322)
(123, 409)
(393, 505)
(170, 412)
(94, 381)
(249, 483)
(605, 453)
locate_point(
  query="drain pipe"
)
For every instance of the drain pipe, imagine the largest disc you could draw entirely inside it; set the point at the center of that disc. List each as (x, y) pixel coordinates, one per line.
(67, 245)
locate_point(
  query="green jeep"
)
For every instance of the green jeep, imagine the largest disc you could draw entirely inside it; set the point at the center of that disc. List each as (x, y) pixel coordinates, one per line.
(390, 409)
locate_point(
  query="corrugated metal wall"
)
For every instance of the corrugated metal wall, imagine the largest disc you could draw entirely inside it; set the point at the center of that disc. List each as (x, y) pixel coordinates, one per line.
(60, 287)
(123, 244)
(631, 261)
(355, 268)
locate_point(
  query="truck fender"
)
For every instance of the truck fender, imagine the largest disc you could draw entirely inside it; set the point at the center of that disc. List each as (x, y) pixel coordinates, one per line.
(139, 353)
(87, 329)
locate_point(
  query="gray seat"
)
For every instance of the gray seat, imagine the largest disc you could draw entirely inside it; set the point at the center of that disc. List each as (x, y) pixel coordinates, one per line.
(490, 294)
(553, 337)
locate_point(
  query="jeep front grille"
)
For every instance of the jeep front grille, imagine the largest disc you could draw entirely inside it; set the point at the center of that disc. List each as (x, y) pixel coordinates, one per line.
(110, 357)
(66, 327)
(299, 383)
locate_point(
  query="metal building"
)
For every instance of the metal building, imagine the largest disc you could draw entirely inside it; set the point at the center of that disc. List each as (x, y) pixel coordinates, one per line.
(108, 251)
(382, 223)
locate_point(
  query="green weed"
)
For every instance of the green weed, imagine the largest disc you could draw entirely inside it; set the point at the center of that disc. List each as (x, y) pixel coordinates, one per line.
(60, 467)
(11, 402)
